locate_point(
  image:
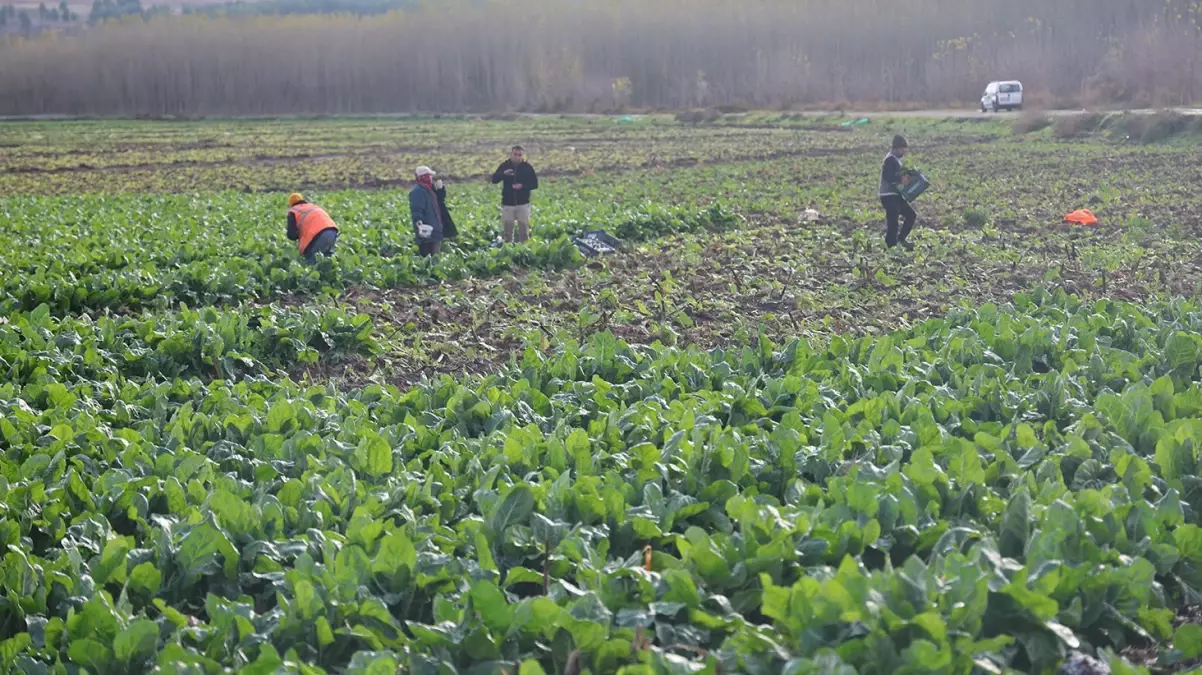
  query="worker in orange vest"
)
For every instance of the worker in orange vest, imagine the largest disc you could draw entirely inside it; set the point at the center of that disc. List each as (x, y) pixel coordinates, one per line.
(313, 230)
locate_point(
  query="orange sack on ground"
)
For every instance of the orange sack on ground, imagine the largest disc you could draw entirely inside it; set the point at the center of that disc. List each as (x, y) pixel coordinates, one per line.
(1081, 217)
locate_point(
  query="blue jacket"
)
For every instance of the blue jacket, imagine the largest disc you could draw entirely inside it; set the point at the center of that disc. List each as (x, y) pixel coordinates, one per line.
(424, 207)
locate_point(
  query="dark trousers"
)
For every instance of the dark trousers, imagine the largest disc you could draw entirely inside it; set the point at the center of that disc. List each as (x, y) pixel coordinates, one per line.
(323, 243)
(896, 209)
(428, 248)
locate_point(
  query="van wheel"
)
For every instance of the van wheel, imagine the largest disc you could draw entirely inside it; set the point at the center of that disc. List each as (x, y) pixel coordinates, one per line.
(983, 108)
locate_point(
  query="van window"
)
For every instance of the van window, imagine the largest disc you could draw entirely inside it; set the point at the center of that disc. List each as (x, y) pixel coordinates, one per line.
(1012, 88)
(991, 88)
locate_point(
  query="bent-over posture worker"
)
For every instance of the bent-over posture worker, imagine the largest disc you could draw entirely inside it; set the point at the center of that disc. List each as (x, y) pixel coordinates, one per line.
(423, 207)
(313, 230)
(519, 179)
(896, 206)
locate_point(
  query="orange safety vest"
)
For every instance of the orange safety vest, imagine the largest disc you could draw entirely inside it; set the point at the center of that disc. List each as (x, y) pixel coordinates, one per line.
(1082, 217)
(311, 220)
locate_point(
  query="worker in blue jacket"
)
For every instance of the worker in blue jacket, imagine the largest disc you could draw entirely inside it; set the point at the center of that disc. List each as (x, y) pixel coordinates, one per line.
(423, 207)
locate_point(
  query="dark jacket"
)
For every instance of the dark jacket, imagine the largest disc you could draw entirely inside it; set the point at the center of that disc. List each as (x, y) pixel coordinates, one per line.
(891, 175)
(423, 206)
(523, 174)
(293, 230)
(448, 226)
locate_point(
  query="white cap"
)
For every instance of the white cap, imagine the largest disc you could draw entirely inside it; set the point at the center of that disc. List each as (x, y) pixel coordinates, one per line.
(424, 171)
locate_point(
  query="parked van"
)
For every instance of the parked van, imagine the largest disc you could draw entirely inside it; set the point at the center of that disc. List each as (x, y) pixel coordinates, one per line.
(1006, 95)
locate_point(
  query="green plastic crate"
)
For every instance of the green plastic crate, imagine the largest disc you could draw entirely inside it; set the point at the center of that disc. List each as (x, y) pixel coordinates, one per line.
(918, 184)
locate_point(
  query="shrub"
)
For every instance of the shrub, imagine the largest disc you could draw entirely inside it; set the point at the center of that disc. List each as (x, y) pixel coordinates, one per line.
(1076, 126)
(1030, 122)
(975, 218)
(1154, 128)
(698, 116)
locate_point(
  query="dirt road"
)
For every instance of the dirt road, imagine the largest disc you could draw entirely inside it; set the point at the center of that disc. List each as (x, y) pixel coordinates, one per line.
(960, 113)
(967, 113)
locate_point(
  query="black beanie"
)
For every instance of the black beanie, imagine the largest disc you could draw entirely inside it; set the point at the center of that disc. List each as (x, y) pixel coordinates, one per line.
(899, 141)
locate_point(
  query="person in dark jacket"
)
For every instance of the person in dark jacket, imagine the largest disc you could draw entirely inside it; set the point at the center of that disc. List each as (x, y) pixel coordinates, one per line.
(518, 180)
(311, 228)
(448, 226)
(423, 207)
(896, 206)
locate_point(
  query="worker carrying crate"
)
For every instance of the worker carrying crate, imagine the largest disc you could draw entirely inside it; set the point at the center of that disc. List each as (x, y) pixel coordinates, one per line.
(898, 188)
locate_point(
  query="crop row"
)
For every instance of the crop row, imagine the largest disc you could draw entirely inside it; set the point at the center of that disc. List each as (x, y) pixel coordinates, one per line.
(1018, 182)
(128, 253)
(787, 280)
(55, 141)
(212, 158)
(77, 253)
(38, 349)
(982, 492)
(776, 171)
(462, 156)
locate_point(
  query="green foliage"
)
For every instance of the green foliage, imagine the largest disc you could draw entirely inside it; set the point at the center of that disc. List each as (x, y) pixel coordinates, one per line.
(96, 264)
(36, 348)
(975, 218)
(985, 492)
(1153, 128)
(978, 493)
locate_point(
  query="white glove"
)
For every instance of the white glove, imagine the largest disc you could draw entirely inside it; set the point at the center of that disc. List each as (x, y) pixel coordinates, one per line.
(438, 184)
(423, 230)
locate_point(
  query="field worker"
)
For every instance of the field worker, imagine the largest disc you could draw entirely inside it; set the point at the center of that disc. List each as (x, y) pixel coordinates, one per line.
(449, 231)
(518, 180)
(896, 206)
(311, 228)
(423, 207)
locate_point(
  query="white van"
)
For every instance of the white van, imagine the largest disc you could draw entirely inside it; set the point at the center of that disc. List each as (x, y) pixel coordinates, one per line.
(1006, 95)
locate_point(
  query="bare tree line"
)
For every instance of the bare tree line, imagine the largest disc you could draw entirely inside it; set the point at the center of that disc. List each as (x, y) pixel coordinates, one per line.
(594, 55)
